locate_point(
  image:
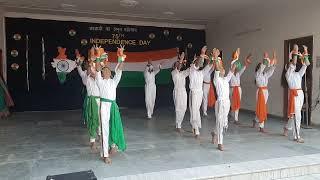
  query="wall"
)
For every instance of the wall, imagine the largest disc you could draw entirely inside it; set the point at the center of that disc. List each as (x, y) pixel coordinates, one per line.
(277, 23)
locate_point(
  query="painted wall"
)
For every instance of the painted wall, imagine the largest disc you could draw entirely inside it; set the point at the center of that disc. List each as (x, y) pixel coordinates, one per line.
(277, 23)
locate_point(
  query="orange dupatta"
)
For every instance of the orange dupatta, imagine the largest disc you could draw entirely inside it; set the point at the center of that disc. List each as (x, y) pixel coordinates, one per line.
(211, 97)
(261, 107)
(235, 103)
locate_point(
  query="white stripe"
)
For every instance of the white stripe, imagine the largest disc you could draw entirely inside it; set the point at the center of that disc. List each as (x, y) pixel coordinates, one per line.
(140, 66)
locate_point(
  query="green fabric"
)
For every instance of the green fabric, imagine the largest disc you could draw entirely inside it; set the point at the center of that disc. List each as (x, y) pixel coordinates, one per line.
(91, 115)
(120, 59)
(306, 59)
(265, 62)
(3, 106)
(62, 76)
(136, 78)
(116, 135)
(238, 65)
(84, 108)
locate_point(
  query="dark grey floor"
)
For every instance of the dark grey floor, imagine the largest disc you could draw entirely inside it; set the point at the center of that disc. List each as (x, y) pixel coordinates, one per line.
(36, 144)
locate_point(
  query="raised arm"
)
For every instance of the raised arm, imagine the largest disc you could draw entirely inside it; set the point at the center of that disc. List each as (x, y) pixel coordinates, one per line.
(270, 71)
(186, 72)
(118, 71)
(207, 69)
(242, 70)
(158, 69)
(81, 72)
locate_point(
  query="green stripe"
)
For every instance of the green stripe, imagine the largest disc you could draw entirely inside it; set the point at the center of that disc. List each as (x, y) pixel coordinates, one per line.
(136, 78)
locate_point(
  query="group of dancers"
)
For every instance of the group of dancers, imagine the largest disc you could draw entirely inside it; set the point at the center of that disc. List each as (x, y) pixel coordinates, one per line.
(202, 94)
(102, 114)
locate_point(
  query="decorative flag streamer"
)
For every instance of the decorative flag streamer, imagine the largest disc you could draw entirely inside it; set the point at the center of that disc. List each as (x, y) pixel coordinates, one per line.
(43, 60)
(27, 62)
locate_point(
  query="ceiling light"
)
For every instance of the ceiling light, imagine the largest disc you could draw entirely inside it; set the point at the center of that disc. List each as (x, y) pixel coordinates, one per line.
(128, 3)
(169, 13)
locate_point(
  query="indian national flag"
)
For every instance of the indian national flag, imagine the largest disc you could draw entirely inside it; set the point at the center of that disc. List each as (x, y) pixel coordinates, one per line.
(136, 62)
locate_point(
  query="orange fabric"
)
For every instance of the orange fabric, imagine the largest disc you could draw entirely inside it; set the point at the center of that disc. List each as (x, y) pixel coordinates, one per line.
(211, 96)
(261, 107)
(291, 105)
(235, 102)
(133, 57)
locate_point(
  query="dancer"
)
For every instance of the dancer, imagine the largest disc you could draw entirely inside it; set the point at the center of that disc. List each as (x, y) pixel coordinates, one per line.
(208, 98)
(236, 91)
(91, 104)
(222, 106)
(5, 100)
(112, 136)
(150, 87)
(262, 78)
(196, 92)
(179, 92)
(296, 96)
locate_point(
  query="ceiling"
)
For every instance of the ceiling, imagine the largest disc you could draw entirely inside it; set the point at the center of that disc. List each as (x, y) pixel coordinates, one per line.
(182, 11)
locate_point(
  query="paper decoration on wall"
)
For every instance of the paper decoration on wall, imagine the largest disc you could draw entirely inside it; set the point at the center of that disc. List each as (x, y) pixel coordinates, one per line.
(152, 35)
(72, 32)
(189, 45)
(84, 42)
(63, 65)
(166, 32)
(14, 53)
(17, 37)
(15, 66)
(179, 38)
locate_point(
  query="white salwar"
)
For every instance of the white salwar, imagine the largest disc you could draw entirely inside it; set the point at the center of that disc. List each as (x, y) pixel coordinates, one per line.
(195, 95)
(92, 90)
(206, 88)
(150, 89)
(180, 98)
(262, 79)
(108, 90)
(294, 80)
(235, 81)
(222, 106)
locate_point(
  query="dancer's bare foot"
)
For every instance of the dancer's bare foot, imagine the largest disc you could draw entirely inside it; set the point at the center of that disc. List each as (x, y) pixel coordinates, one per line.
(214, 138)
(107, 160)
(93, 147)
(180, 130)
(220, 147)
(197, 136)
(113, 151)
(193, 131)
(285, 132)
(300, 140)
(262, 130)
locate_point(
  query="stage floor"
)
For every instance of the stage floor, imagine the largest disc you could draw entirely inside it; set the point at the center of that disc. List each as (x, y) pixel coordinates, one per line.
(36, 144)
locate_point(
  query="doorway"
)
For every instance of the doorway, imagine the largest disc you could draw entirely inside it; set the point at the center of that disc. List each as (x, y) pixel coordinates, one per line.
(307, 78)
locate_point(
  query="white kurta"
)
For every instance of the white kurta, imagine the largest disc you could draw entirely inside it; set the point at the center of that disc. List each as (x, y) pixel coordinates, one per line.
(236, 81)
(108, 90)
(92, 90)
(180, 94)
(206, 88)
(294, 80)
(222, 106)
(150, 90)
(262, 79)
(195, 95)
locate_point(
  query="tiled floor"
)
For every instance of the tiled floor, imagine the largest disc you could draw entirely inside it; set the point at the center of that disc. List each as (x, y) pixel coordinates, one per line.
(34, 145)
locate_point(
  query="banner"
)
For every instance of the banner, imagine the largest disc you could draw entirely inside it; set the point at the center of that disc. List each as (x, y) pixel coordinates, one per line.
(47, 88)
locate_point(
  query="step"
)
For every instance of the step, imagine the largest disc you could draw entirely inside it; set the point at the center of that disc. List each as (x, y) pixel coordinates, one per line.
(277, 168)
